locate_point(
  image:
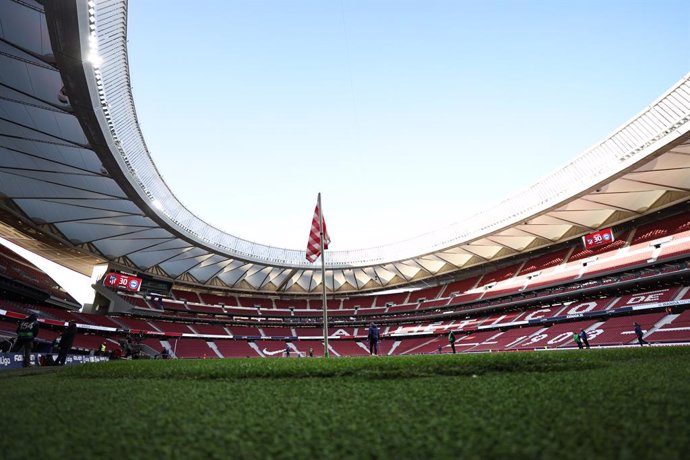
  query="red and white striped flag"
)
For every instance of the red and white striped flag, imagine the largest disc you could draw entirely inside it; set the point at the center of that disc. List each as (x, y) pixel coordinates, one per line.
(314, 243)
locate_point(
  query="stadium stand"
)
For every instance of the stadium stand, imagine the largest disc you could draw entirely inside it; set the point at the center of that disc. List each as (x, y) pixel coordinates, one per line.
(549, 260)
(186, 295)
(193, 348)
(294, 303)
(555, 336)
(505, 340)
(662, 228)
(16, 268)
(348, 348)
(536, 302)
(675, 328)
(617, 331)
(209, 329)
(236, 349)
(391, 299)
(425, 294)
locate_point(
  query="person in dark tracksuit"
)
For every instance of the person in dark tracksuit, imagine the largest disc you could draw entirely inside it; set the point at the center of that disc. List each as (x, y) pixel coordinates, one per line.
(451, 340)
(639, 334)
(66, 341)
(373, 338)
(26, 333)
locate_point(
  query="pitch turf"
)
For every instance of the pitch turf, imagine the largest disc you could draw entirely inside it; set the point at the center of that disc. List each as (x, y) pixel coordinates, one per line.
(624, 403)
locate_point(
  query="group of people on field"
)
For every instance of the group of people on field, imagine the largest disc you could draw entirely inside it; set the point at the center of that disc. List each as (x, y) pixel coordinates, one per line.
(27, 332)
(28, 329)
(582, 342)
(374, 335)
(580, 338)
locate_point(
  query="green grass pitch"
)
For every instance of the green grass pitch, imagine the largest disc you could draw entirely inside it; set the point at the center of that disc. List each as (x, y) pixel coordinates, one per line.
(610, 404)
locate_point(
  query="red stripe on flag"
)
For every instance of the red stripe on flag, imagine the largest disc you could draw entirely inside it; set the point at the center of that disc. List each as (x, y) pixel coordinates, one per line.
(314, 243)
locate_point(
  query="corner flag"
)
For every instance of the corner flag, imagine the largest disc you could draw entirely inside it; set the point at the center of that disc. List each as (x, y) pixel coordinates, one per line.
(314, 243)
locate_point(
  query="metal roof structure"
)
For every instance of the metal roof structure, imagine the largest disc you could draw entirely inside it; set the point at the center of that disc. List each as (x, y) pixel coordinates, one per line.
(78, 185)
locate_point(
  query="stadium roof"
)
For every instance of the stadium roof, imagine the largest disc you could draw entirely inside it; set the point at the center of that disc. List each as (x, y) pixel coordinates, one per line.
(77, 182)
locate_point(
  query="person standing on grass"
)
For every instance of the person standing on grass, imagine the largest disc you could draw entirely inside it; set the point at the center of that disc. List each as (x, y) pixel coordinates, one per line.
(451, 340)
(639, 334)
(66, 340)
(373, 338)
(577, 339)
(583, 337)
(26, 333)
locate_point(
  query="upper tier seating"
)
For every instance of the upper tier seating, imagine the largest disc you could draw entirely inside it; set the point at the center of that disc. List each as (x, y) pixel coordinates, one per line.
(16, 267)
(425, 294)
(461, 286)
(256, 302)
(549, 260)
(361, 302)
(393, 299)
(297, 303)
(659, 229)
(189, 296)
(212, 299)
(209, 329)
(501, 274)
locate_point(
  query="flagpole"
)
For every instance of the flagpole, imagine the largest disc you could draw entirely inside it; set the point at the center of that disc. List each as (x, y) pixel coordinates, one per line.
(323, 281)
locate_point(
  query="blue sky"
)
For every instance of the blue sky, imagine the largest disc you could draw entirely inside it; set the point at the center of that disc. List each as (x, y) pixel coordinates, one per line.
(406, 115)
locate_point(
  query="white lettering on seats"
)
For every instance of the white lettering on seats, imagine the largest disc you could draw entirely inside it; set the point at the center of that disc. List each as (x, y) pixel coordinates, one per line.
(560, 338)
(646, 298)
(534, 314)
(582, 308)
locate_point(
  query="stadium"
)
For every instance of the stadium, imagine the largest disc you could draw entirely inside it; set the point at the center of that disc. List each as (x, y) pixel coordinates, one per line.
(598, 249)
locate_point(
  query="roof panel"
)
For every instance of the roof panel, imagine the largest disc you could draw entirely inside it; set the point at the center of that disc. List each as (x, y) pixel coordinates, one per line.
(106, 204)
(113, 248)
(83, 232)
(209, 268)
(149, 258)
(19, 25)
(178, 267)
(19, 186)
(48, 211)
(70, 155)
(12, 159)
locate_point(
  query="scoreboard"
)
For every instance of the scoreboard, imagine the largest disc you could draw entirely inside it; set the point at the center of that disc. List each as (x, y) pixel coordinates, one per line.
(136, 283)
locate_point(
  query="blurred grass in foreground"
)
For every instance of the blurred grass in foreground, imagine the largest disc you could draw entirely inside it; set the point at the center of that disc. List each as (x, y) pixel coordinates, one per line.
(620, 403)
